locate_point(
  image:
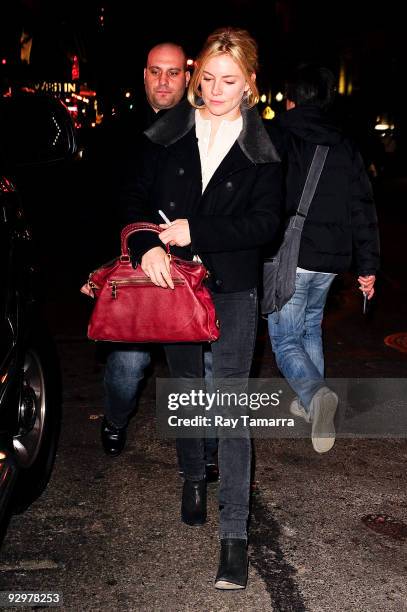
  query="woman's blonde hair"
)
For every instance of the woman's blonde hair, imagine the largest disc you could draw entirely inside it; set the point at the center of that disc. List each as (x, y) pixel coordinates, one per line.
(241, 47)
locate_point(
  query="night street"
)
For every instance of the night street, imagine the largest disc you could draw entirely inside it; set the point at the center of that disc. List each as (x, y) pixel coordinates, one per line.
(278, 114)
(107, 532)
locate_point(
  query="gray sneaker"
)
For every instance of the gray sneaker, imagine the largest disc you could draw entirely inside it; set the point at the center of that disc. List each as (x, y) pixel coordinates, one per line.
(323, 407)
(298, 410)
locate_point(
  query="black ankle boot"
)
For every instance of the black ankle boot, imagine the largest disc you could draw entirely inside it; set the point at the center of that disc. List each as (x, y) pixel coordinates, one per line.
(232, 571)
(193, 508)
(113, 438)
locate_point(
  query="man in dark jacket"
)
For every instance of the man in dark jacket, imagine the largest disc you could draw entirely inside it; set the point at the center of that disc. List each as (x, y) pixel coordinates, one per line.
(340, 228)
(165, 80)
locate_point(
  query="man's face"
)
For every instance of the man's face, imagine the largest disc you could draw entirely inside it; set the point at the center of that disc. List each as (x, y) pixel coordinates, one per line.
(165, 78)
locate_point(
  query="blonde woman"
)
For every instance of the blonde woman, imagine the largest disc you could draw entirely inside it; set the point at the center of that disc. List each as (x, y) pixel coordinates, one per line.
(214, 172)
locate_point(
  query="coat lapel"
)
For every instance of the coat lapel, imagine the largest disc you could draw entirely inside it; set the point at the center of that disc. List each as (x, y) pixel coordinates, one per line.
(173, 126)
(253, 139)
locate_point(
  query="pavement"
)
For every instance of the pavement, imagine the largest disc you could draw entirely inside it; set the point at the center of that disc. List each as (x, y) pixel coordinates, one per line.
(328, 532)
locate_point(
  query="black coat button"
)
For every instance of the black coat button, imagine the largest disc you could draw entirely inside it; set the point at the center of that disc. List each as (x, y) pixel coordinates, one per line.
(218, 282)
(181, 171)
(172, 205)
(229, 185)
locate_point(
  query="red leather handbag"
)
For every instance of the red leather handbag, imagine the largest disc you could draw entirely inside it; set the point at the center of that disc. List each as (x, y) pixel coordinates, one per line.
(130, 308)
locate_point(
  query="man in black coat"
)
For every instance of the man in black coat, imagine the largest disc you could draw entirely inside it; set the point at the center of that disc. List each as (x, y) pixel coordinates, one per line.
(340, 230)
(165, 80)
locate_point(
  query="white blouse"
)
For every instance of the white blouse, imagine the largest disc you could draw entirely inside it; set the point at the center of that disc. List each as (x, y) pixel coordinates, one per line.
(225, 138)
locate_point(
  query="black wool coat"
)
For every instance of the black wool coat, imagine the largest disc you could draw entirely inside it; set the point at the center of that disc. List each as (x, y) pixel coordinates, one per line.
(240, 210)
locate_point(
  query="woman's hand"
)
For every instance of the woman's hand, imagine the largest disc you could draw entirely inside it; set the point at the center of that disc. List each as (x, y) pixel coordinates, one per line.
(176, 234)
(156, 265)
(366, 284)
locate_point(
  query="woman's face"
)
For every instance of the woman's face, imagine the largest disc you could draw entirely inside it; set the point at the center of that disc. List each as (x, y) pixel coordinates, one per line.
(222, 87)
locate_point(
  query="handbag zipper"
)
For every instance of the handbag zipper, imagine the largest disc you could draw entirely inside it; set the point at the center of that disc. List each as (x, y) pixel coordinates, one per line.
(114, 284)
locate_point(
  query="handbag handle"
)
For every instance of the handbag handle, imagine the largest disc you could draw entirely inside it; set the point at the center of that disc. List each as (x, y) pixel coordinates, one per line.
(133, 228)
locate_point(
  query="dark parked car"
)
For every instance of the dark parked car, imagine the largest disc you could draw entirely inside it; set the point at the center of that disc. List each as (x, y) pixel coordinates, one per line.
(34, 131)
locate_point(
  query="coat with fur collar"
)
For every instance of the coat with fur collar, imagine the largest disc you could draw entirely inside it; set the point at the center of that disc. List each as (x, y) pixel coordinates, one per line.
(239, 212)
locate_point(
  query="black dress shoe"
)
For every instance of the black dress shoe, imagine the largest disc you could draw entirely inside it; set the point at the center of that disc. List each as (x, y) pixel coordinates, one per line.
(193, 508)
(113, 438)
(232, 571)
(212, 472)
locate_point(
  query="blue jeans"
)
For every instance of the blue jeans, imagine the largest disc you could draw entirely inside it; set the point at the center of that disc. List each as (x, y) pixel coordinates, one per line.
(296, 335)
(125, 367)
(232, 357)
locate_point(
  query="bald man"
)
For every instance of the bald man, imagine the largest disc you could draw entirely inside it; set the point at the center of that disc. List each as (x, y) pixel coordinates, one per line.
(165, 76)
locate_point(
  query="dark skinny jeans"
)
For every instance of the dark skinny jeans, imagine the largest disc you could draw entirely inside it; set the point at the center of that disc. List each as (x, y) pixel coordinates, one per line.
(232, 358)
